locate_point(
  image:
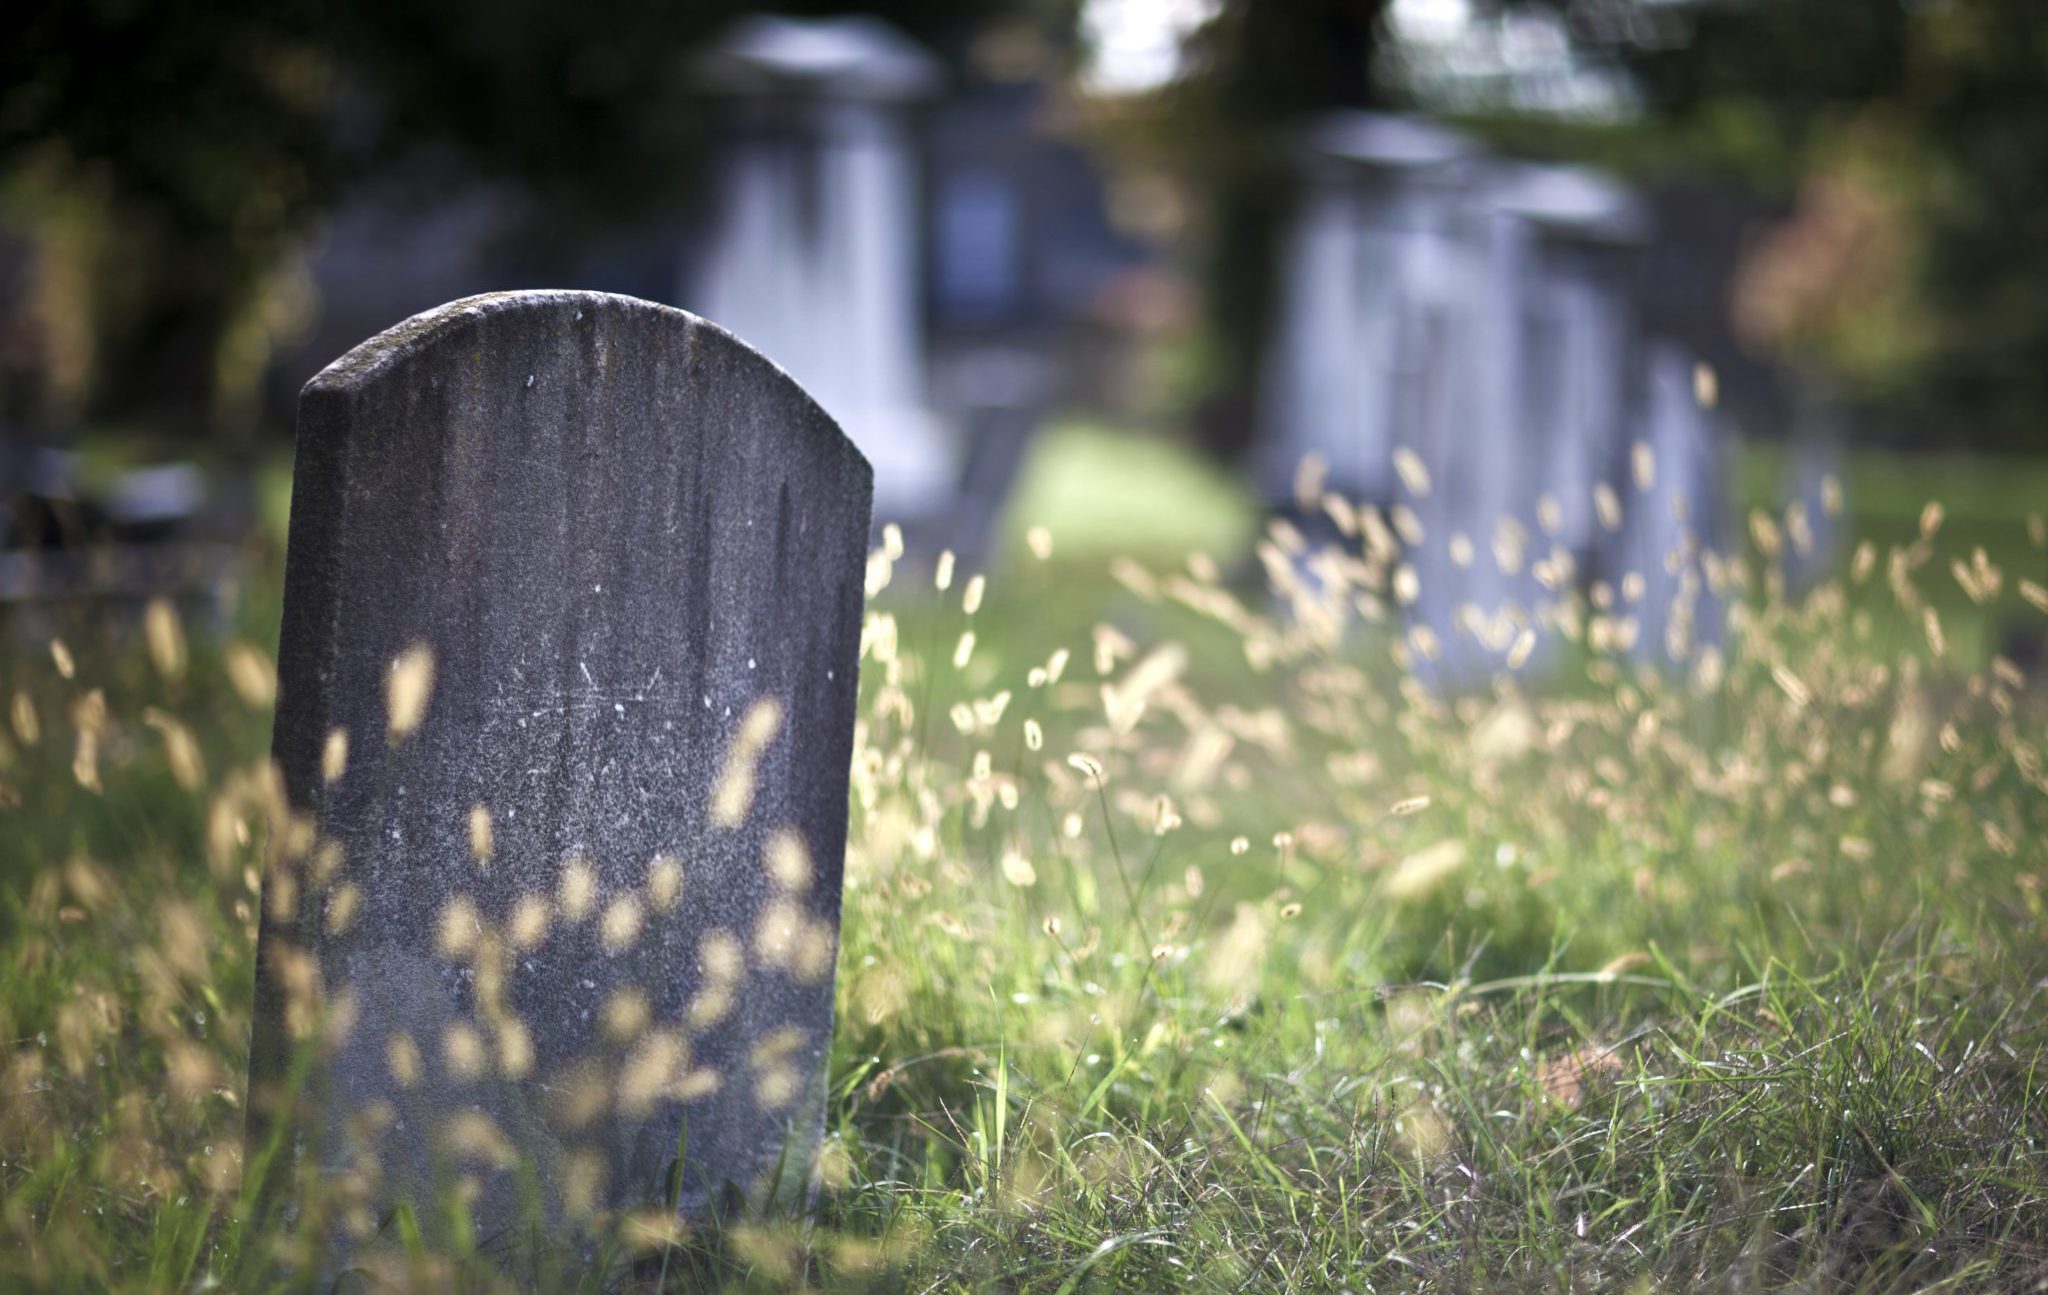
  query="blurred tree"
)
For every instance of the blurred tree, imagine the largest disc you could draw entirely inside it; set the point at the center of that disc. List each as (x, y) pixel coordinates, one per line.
(1916, 133)
(1980, 92)
(192, 140)
(204, 138)
(1256, 71)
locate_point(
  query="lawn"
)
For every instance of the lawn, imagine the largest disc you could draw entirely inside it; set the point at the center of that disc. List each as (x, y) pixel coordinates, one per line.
(1189, 942)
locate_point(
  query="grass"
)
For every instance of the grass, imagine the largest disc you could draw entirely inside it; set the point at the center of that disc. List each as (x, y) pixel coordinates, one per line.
(1108, 492)
(1268, 970)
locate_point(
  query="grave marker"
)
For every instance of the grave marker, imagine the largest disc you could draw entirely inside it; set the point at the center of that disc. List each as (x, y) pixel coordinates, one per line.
(1368, 287)
(811, 243)
(567, 685)
(1672, 517)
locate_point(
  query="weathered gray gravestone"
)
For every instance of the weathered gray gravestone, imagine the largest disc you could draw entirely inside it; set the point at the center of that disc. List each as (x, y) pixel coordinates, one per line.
(567, 674)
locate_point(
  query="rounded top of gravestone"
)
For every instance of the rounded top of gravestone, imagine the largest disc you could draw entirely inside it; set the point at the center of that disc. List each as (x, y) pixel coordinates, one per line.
(1390, 140)
(1573, 202)
(414, 336)
(855, 58)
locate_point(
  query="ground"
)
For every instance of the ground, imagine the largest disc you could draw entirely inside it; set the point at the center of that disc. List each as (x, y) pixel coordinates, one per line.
(1220, 954)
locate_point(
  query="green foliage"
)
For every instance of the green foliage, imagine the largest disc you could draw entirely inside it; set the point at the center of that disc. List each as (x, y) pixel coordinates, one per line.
(192, 146)
(1217, 954)
(1935, 112)
(187, 145)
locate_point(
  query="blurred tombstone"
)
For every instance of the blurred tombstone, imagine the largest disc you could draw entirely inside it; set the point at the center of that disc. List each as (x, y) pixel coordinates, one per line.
(1368, 293)
(1479, 316)
(154, 502)
(1539, 410)
(1576, 343)
(1474, 444)
(1670, 517)
(74, 561)
(811, 246)
(567, 678)
(1459, 343)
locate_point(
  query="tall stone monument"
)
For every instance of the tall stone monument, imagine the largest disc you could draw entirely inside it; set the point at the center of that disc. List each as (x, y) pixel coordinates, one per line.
(1541, 411)
(567, 688)
(1368, 289)
(811, 244)
(1579, 342)
(1672, 516)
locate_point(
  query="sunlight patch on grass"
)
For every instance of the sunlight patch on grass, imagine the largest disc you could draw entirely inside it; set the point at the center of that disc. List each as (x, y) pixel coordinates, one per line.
(1101, 490)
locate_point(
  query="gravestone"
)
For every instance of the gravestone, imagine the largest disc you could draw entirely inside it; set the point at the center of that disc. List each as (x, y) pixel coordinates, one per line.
(1577, 342)
(1551, 378)
(567, 687)
(1478, 321)
(811, 245)
(1368, 288)
(1473, 449)
(1671, 518)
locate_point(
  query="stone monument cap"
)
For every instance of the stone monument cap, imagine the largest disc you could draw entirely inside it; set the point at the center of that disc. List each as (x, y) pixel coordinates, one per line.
(1389, 140)
(856, 58)
(1572, 201)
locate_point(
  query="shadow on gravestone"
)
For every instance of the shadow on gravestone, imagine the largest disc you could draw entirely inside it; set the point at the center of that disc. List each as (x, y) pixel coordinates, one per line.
(567, 687)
